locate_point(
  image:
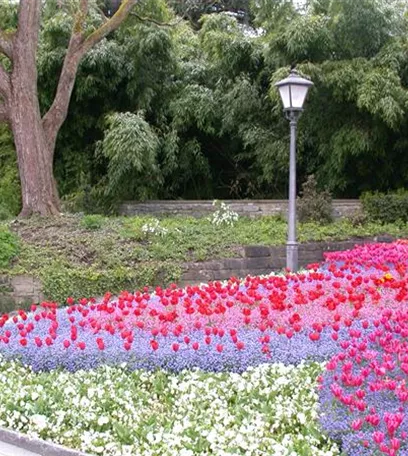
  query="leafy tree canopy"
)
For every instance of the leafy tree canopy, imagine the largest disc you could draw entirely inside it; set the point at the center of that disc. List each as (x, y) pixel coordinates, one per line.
(168, 107)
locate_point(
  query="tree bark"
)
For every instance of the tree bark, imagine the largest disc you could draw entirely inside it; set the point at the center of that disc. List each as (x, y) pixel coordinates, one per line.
(4, 113)
(39, 190)
(38, 186)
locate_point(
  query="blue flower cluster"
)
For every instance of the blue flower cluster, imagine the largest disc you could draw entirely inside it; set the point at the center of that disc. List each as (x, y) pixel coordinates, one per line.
(141, 356)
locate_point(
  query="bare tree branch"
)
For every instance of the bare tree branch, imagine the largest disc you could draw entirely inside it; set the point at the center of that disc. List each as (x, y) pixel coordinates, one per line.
(109, 26)
(6, 44)
(78, 47)
(4, 82)
(83, 8)
(4, 112)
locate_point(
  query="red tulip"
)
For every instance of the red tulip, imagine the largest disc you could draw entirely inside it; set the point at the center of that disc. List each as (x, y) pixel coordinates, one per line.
(314, 336)
(154, 344)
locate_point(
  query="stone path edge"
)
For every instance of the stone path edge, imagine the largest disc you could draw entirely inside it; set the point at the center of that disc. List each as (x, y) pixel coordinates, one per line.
(36, 445)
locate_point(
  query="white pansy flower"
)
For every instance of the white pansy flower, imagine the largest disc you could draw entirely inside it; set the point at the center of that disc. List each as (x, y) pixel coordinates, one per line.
(103, 420)
(40, 421)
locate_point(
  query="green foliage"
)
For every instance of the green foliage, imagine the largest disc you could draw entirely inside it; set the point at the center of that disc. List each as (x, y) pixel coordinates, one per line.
(386, 207)
(307, 37)
(227, 47)
(4, 213)
(9, 247)
(130, 147)
(362, 28)
(314, 205)
(191, 111)
(10, 200)
(89, 200)
(92, 222)
(60, 282)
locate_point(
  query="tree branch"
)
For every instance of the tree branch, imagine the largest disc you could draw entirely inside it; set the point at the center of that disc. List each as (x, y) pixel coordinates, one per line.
(6, 44)
(83, 8)
(4, 112)
(102, 14)
(109, 26)
(77, 48)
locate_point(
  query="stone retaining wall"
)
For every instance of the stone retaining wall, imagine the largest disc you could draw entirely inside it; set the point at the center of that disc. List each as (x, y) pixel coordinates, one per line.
(250, 208)
(259, 260)
(252, 260)
(18, 291)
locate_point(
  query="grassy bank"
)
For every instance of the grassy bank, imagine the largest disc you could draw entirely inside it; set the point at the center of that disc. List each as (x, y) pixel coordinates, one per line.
(84, 256)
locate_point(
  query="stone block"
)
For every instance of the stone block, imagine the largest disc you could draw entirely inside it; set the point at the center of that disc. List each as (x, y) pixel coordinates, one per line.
(226, 274)
(278, 263)
(252, 251)
(25, 285)
(233, 263)
(197, 276)
(259, 263)
(210, 265)
(385, 239)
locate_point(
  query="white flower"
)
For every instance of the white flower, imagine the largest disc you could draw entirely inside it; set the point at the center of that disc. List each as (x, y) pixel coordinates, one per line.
(200, 409)
(154, 228)
(224, 215)
(103, 420)
(40, 421)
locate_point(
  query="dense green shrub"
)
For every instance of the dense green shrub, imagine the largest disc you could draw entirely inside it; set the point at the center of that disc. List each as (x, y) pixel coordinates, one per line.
(314, 205)
(4, 212)
(92, 222)
(10, 194)
(60, 282)
(9, 246)
(386, 207)
(89, 200)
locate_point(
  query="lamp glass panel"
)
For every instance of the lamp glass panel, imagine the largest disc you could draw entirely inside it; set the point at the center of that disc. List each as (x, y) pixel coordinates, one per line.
(299, 93)
(285, 95)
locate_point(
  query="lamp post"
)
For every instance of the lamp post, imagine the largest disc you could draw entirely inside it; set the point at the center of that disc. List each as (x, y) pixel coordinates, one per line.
(293, 91)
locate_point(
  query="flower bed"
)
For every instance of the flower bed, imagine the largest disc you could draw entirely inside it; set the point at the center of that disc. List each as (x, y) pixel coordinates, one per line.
(224, 348)
(109, 411)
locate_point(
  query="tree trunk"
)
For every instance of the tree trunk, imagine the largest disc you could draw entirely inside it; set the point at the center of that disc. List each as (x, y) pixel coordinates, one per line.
(39, 192)
(35, 160)
(35, 137)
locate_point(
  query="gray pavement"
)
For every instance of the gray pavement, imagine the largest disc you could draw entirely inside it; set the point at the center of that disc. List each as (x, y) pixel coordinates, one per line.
(15, 444)
(10, 450)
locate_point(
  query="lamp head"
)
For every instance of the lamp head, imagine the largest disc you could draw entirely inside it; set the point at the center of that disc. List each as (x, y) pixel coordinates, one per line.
(293, 91)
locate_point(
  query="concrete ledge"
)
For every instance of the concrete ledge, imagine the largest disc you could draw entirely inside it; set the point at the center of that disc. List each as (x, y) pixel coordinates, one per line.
(32, 446)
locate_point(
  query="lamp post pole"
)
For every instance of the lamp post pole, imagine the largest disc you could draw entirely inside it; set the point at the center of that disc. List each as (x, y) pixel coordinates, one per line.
(293, 91)
(292, 245)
